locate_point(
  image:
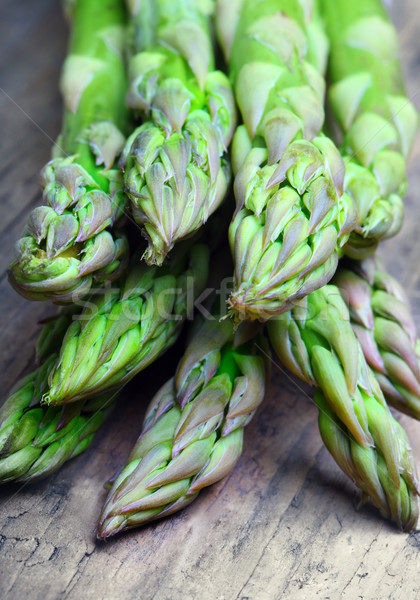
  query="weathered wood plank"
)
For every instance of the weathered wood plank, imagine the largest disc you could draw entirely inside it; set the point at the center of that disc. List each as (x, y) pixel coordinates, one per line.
(284, 524)
(31, 108)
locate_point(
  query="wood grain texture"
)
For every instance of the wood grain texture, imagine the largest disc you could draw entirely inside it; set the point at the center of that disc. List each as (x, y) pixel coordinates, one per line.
(284, 524)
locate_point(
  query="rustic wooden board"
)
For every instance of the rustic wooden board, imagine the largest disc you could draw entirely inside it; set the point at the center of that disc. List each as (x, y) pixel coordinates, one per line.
(284, 524)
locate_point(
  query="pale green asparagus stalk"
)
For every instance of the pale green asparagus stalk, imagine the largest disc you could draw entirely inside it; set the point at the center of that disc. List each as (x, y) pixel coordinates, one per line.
(193, 430)
(176, 171)
(123, 330)
(391, 486)
(69, 243)
(374, 115)
(382, 320)
(316, 342)
(36, 440)
(291, 211)
(53, 330)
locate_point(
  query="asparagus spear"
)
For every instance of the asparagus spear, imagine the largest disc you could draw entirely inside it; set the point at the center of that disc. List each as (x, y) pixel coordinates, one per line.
(53, 330)
(291, 211)
(125, 329)
(393, 492)
(193, 430)
(69, 242)
(374, 115)
(316, 342)
(35, 440)
(176, 172)
(382, 320)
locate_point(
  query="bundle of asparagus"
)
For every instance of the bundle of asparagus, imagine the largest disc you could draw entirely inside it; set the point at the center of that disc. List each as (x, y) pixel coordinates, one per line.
(301, 205)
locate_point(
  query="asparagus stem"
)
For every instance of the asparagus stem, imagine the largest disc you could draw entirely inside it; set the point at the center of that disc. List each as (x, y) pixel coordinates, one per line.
(69, 243)
(291, 213)
(376, 119)
(385, 327)
(36, 440)
(122, 331)
(176, 171)
(193, 430)
(316, 342)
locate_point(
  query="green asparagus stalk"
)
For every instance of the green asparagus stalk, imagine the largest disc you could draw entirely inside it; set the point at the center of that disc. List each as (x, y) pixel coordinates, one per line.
(69, 243)
(393, 492)
(291, 211)
(384, 325)
(374, 115)
(53, 330)
(193, 430)
(316, 342)
(36, 440)
(122, 331)
(176, 172)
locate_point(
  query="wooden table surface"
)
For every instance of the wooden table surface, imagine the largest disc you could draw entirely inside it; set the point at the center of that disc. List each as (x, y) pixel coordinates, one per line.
(284, 524)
